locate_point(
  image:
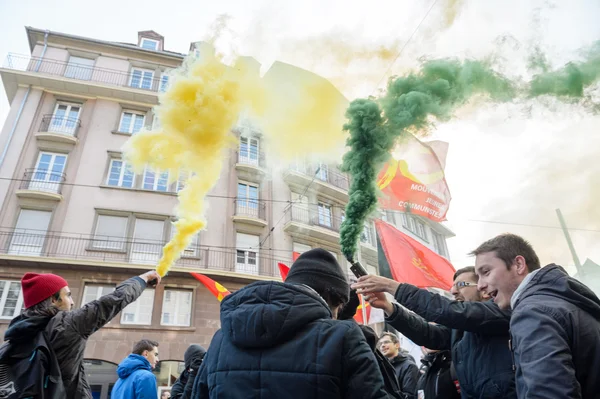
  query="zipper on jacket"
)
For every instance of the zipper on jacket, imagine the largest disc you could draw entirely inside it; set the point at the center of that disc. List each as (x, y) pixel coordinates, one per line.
(437, 382)
(512, 353)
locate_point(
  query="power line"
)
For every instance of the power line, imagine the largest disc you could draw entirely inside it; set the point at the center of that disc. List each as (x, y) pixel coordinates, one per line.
(404, 46)
(531, 225)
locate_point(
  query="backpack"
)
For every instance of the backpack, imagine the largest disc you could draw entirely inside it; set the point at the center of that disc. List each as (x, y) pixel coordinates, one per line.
(29, 370)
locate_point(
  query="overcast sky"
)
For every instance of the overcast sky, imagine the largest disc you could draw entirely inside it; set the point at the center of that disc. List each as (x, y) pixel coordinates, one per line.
(509, 167)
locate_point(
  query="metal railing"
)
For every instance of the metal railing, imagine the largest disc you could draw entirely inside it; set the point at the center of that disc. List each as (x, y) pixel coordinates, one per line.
(312, 215)
(251, 158)
(60, 245)
(60, 124)
(82, 72)
(43, 180)
(250, 208)
(324, 174)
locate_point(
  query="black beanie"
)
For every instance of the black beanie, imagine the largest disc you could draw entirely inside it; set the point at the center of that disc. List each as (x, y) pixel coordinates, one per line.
(319, 270)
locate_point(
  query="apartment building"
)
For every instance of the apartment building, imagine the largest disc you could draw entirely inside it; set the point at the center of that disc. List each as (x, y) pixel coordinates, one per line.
(70, 205)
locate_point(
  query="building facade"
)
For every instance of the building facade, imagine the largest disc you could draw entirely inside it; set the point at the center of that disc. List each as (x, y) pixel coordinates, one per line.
(70, 205)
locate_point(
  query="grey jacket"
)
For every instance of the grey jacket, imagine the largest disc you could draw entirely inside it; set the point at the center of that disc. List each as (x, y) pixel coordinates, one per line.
(555, 329)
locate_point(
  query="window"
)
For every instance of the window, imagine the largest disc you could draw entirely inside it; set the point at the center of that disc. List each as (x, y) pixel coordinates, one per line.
(141, 78)
(371, 270)
(131, 122)
(110, 232)
(177, 308)
(48, 174)
(299, 165)
(147, 241)
(249, 150)
(30, 232)
(11, 299)
(164, 82)
(149, 44)
(120, 174)
(323, 172)
(80, 68)
(414, 225)
(140, 311)
(247, 200)
(65, 119)
(324, 214)
(192, 250)
(92, 292)
(298, 249)
(156, 181)
(439, 243)
(421, 231)
(247, 253)
(366, 236)
(300, 211)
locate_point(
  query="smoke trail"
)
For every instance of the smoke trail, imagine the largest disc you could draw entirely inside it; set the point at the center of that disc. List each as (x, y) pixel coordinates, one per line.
(196, 115)
(408, 106)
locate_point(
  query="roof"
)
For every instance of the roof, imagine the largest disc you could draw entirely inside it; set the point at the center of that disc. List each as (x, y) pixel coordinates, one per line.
(32, 32)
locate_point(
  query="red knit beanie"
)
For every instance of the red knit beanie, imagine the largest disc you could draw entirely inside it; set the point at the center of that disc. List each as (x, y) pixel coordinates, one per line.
(38, 287)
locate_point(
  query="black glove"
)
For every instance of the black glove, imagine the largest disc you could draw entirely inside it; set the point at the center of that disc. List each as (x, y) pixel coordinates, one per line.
(349, 310)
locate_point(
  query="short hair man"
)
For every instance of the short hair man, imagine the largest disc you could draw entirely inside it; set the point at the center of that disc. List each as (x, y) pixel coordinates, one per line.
(48, 308)
(282, 340)
(136, 380)
(475, 331)
(555, 325)
(406, 369)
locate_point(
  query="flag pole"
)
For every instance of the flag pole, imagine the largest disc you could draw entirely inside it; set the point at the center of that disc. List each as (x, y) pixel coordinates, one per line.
(362, 299)
(563, 225)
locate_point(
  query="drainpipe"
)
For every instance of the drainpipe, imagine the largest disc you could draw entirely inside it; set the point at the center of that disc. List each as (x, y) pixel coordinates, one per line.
(14, 127)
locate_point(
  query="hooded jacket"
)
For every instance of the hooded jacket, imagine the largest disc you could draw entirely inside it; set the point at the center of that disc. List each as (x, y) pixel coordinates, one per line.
(192, 359)
(68, 332)
(136, 380)
(278, 340)
(407, 373)
(476, 333)
(555, 331)
(435, 379)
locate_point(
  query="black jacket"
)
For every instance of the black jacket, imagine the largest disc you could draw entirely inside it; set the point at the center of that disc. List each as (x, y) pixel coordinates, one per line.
(435, 378)
(407, 373)
(192, 359)
(476, 333)
(555, 332)
(278, 340)
(68, 333)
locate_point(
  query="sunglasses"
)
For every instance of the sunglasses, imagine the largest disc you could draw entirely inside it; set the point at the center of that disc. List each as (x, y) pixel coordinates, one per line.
(462, 284)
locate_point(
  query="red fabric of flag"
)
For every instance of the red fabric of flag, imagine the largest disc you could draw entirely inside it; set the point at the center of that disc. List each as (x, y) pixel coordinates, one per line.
(359, 311)
(283, 270)
(215, 288)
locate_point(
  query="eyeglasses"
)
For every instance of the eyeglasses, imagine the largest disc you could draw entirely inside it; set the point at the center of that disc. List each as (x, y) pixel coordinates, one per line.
(462, 284)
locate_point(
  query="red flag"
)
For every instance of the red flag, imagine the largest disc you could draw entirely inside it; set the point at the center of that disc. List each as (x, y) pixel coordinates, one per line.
(295, 256)
(215, 288)
(283, 270)
(359, 311)
(415, 181)
(412, 262)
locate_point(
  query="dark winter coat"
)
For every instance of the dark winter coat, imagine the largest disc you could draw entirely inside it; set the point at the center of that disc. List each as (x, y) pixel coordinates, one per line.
(407, 373)
(136, 380)
(555, 332)
(435, 378)
(278, 340)
(476, 333)
(68, 332)
(192, 359)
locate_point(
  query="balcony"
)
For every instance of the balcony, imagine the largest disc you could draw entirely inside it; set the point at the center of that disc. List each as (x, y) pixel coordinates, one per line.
(59, 129)
(310, 220)
(41, 184)
(86, 250)
(250, 165)
(330, 183)
(77, 78)
(368, 241)
(250, 211)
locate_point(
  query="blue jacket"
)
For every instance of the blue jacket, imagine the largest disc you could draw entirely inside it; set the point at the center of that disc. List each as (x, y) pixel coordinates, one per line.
(476, 333)
(136, 380)
(555, 332)
(278, 340)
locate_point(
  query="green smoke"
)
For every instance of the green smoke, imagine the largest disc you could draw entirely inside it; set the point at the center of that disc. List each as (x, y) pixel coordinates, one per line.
(436, 90)
(571, 80)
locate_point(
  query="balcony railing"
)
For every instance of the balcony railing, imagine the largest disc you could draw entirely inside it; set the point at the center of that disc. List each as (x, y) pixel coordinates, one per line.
(43, 180)
(82, 72)
(60, 124)
(323, 174)
(250, 208)
(313, 215)
(251, 158)
(54, 245)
